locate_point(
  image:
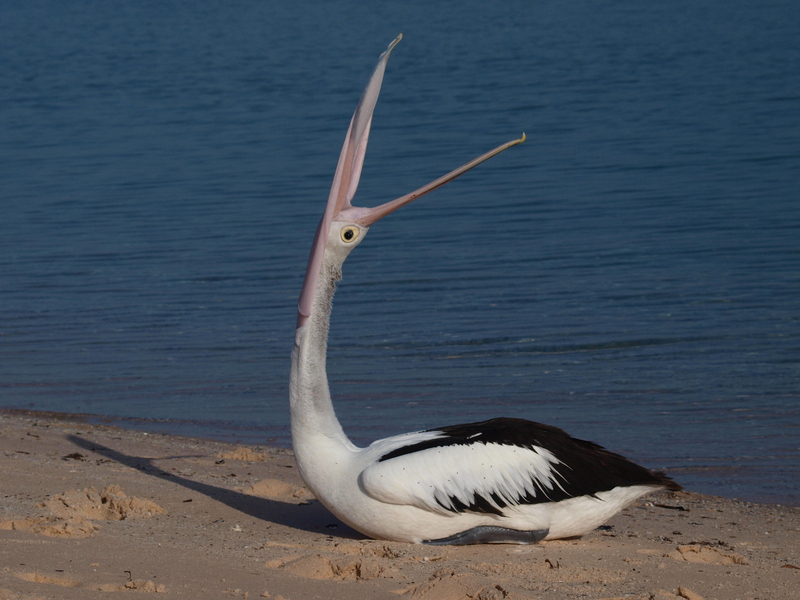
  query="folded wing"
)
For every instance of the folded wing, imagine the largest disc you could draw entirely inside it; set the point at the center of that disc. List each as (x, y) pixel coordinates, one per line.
(475, 477)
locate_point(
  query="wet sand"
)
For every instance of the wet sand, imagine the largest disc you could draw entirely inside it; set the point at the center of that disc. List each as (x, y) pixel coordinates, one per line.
(89, 510)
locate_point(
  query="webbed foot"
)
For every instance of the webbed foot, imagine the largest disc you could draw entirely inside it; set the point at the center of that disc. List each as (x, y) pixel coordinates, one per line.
(488, 534)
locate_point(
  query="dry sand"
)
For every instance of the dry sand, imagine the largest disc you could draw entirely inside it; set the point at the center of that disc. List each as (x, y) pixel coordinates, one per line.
(90, 510)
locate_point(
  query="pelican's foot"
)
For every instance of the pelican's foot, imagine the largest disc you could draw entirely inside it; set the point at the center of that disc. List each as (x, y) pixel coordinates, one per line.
(490, 535)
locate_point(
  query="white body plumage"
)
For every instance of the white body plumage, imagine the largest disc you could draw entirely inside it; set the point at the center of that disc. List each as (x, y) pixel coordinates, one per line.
(399, 501)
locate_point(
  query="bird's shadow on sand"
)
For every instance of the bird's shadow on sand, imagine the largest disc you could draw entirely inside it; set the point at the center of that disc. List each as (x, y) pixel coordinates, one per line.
(312, 517)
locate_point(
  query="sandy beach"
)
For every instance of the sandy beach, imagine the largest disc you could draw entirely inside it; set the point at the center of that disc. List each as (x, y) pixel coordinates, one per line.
(89, 510)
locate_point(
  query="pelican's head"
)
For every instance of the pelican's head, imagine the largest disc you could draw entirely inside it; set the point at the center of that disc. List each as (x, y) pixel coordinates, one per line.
(343, 225)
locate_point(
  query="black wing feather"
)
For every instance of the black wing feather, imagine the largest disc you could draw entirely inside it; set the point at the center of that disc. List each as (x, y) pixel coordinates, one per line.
(585, 467)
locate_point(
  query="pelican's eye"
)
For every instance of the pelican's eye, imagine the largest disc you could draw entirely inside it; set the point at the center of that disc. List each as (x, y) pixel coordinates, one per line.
(349, 234)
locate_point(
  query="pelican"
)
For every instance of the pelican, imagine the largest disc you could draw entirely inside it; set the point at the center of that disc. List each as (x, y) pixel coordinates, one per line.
(498, 481)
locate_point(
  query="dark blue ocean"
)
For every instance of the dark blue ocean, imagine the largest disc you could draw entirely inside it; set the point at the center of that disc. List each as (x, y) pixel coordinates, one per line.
(631, 273)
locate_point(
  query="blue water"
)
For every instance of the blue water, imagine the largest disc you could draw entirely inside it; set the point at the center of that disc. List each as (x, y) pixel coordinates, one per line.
(629, 274)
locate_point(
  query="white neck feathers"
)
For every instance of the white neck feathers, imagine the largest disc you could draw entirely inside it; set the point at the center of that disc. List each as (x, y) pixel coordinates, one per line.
(312, 411)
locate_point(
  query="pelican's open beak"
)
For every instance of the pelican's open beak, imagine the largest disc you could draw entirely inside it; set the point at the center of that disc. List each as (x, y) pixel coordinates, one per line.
(348, 173)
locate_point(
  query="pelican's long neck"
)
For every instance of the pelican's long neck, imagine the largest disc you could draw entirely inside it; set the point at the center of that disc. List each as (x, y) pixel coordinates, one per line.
(312, 414)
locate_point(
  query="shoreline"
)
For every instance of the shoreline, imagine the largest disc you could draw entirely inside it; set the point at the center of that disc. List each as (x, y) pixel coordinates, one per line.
(90, 508)
(203, 430)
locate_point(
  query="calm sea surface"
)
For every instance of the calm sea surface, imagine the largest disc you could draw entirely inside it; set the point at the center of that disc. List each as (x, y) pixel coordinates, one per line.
(630, 274)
